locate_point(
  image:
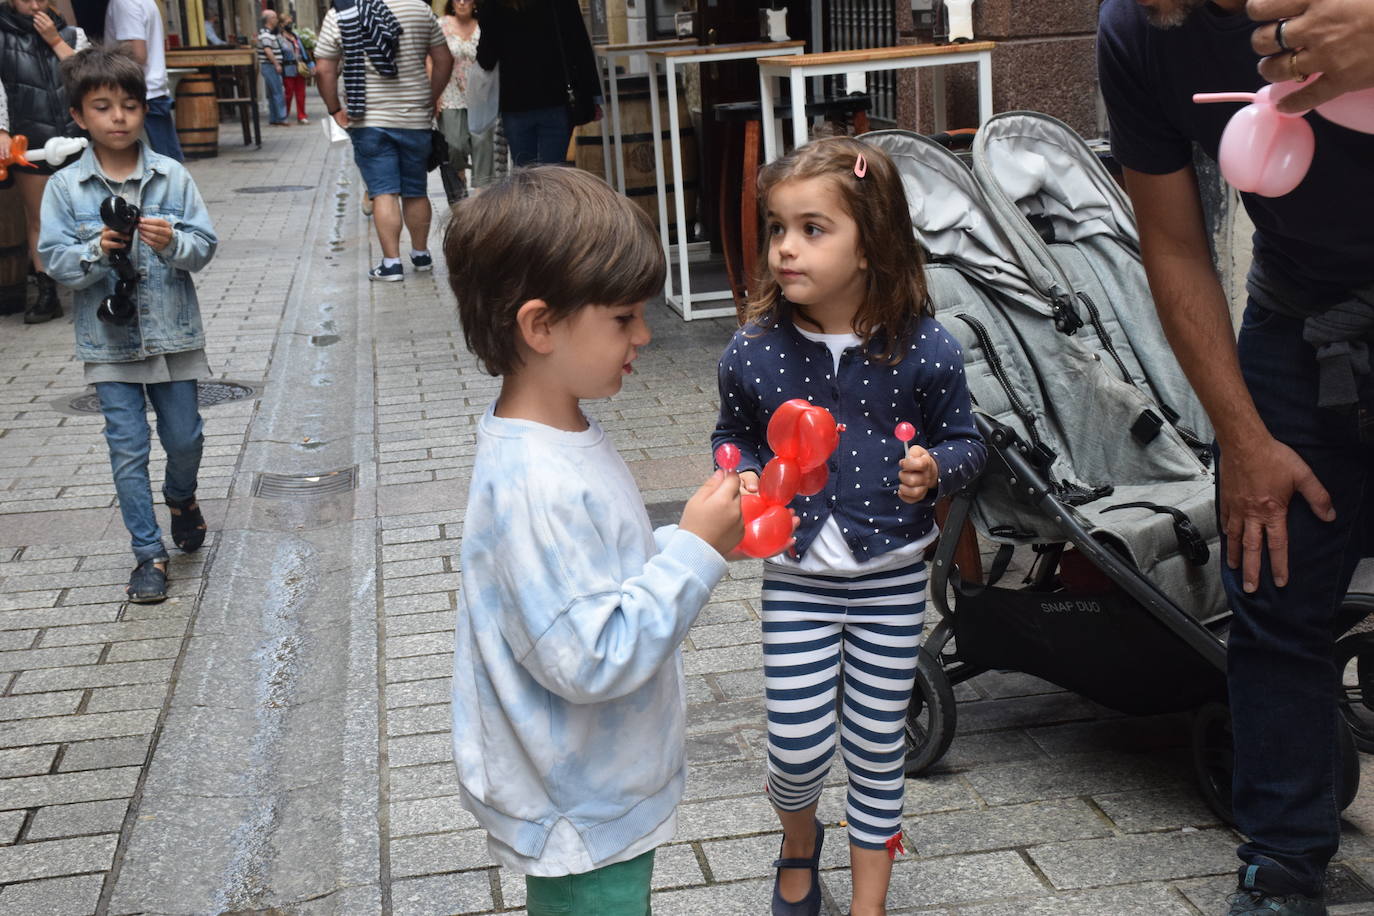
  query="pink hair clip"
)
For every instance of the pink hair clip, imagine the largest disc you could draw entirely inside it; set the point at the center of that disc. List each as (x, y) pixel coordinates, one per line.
(860, 166)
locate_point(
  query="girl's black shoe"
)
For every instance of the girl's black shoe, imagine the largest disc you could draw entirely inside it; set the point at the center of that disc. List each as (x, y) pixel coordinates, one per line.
(188, 525)
(810, 905)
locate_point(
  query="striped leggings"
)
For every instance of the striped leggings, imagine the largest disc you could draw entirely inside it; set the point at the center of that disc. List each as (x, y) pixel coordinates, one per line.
(810, 623)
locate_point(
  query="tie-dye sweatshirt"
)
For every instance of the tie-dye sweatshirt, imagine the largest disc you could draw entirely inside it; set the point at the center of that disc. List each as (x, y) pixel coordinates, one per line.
(567, 688)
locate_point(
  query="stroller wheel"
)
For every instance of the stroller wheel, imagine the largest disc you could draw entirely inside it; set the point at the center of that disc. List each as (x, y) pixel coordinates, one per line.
(1355, 664)
(930, 717)
(1214, 760)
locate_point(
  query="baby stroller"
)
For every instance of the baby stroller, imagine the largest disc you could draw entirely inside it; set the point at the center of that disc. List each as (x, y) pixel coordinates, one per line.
(1098, 449)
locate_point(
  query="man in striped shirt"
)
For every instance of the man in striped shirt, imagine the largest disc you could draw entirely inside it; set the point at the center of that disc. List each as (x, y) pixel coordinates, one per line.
(389, 119)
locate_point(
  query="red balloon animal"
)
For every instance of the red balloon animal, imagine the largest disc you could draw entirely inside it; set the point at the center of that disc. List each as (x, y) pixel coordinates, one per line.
(802, 436)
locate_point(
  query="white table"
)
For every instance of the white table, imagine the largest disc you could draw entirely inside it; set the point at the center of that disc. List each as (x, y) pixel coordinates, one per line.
(612, 55)
(831, 63)
(670, 60)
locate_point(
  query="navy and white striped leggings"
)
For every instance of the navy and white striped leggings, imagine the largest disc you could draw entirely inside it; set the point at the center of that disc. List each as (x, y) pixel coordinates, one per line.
(874, 623)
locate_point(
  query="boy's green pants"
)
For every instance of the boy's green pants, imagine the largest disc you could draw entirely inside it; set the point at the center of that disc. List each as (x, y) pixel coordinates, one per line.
(621, 889)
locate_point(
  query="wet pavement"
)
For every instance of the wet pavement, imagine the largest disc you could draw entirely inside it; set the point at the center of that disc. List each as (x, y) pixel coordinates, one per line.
(274, 738)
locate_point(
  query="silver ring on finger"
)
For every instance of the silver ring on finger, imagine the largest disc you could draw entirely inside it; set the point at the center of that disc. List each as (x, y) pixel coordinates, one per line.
(1278, 36)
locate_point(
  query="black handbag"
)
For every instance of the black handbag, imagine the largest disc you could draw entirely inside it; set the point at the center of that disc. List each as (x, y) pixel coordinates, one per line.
(581, 110)
(438, 150)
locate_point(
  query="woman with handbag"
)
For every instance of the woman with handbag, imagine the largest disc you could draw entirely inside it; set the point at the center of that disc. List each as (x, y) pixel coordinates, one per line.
(465, 145)
(549, 81)
(296, 67)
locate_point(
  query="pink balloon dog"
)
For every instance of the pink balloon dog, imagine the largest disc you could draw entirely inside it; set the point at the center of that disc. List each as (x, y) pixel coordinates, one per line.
(1268, 152)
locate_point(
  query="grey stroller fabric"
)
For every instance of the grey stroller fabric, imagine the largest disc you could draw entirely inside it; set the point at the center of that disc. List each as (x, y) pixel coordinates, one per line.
(1053, 389)
(1073, 230)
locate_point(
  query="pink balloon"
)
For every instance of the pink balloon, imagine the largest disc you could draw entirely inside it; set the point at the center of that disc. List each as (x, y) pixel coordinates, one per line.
(768, 534)
(904, 432)
(727, 456)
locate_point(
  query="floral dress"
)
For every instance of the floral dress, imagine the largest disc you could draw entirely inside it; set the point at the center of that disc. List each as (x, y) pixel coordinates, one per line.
(464, 51)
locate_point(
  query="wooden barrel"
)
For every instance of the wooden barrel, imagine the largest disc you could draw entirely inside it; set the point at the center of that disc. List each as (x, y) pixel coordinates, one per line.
(637, 144)
(197, 116)
(14, 251)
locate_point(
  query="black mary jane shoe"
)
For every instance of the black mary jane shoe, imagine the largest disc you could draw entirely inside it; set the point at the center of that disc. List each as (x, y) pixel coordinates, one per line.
(810, 905)
(147, 583)
(188, 524)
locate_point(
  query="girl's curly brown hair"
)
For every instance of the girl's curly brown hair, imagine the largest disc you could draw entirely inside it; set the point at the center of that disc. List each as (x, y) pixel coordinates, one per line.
(896, 294)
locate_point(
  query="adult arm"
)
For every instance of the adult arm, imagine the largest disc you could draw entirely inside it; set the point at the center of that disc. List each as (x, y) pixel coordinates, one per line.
(1259, 474)
(439, 63)
(47, 30)
(327, 81)
(268, 50)
(1336, 38)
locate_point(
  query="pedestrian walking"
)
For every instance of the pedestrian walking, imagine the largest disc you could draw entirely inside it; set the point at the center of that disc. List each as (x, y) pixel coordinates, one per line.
(842, 318)
(549, 81)
(1295, 447)
(395, 64)
(34, 40)
(572, 608)
(465, 147)
(270, 63)
(137, 26)
(138, 326)
(297, 68)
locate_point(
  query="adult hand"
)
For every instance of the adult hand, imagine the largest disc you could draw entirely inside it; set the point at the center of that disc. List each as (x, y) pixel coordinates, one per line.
(341, 118)
(918, 474)
(112, 241)
(1335, 36)
(1258, 481)
(156, 232)
(43, 25)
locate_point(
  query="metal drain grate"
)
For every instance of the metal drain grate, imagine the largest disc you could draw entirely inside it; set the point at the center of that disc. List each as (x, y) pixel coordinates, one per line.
(208, 394)
(274, 188)
(300, 486)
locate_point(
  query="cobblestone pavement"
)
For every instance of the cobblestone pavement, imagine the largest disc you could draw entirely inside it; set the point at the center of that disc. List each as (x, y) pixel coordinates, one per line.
(274, 738)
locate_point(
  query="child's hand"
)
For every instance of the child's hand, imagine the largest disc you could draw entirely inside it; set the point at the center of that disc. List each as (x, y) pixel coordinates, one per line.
(156, 232)
(918, 474)
(713, 513)
(748, 481)
(112, 241)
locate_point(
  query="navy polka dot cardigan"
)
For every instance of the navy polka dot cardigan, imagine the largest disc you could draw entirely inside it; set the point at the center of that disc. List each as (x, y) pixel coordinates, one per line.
(763, 367)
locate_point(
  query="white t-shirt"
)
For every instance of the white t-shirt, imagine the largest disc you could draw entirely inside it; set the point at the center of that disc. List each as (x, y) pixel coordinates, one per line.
(141, 20)
(829, 553)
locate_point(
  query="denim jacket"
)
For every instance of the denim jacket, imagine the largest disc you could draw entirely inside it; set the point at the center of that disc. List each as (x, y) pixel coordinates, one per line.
(168, 319)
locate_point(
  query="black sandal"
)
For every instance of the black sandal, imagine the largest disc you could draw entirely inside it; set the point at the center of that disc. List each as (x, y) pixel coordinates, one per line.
(148, 583)
(188, 525)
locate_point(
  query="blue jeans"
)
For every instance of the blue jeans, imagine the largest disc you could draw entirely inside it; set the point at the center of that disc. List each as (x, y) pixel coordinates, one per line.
(179, 430)
(162, 130)
(1282, 677)
(538, 137)
(276, 94)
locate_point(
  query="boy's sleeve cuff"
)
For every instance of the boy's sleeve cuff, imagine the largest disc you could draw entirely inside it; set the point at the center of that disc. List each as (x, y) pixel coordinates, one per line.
(701, 558)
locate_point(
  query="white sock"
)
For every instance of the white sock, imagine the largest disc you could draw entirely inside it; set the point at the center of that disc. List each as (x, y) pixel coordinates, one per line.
(418, 254)
(390, 262)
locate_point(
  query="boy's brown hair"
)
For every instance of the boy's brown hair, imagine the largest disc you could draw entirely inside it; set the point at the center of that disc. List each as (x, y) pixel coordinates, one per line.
(896, 294)
(101, 66)
(550, 233)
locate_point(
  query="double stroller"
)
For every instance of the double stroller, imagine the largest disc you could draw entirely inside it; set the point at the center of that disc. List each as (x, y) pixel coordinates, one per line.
(1099, 458)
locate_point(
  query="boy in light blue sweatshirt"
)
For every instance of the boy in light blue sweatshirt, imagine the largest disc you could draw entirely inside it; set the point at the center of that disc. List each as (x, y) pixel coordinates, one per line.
(568, 705)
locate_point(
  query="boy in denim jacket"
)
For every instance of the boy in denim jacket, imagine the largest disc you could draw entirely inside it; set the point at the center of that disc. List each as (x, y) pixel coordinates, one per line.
(138, 323)
(568, 704)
